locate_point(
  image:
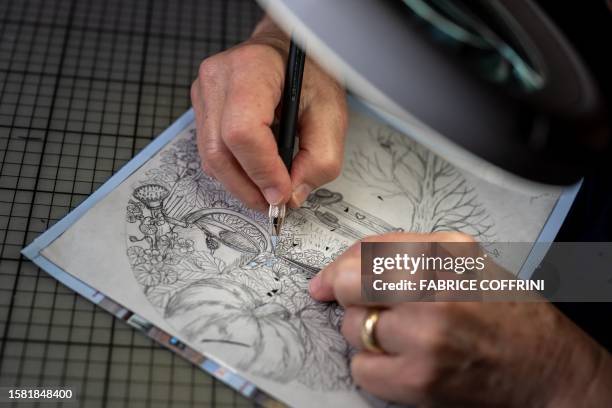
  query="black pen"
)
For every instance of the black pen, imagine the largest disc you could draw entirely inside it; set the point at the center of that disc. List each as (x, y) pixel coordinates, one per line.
(290, 106)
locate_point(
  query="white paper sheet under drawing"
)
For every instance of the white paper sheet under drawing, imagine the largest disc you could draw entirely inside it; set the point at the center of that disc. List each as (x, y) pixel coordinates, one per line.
(171, 245)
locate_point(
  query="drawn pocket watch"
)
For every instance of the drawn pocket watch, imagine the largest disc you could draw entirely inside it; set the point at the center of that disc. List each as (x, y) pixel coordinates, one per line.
(230, 232)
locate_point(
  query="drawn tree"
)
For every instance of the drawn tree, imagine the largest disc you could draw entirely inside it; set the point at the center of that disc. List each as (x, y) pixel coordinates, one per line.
(439, 197)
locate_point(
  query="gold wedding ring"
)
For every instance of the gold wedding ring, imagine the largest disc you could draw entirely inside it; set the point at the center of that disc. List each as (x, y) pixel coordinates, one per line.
(368, 337)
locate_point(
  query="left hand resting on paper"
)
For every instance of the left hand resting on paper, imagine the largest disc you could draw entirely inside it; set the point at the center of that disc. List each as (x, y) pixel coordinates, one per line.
(467, 353)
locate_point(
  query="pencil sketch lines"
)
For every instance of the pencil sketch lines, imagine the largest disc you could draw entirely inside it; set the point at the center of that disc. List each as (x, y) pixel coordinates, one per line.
(439, 197)
(204, 260)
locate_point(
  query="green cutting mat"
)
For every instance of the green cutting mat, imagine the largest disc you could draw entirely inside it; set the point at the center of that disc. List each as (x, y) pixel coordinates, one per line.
(84, 85)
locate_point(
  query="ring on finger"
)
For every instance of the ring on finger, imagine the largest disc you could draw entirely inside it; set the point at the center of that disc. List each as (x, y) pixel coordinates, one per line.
(368, 327)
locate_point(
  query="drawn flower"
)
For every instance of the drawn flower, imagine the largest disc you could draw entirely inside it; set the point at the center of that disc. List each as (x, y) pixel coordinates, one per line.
(147, 274)
(136, 255)
(153, 256)
(172, 258)
(159, 219)
(151, 195)
(184, 246)
(147, 226)
(167, 240)
(134, 213)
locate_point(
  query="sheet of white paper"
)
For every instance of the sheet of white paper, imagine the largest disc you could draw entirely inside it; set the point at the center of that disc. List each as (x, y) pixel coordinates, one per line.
(171, 245)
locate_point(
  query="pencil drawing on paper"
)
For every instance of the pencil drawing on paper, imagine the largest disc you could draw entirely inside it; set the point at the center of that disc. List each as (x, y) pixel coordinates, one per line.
(204, 260)
(437, 194)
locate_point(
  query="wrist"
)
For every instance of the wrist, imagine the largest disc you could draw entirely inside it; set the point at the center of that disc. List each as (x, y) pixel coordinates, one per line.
(268, 33)
(587, 379)
(598, 393)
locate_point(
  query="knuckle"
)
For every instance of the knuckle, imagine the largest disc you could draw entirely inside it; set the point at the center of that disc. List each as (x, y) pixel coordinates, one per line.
(424, 378)
(438, 332)
(240, 54)
(214, 160)
(237, 135)
(436, 344)
(252, 53)
(208, 68)
(330, 166)
(246, 62)
(427, 381)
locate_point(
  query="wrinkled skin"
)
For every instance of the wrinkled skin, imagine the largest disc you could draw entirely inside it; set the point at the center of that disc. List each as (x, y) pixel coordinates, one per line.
(457, 354)
(235, 98)
(467, 353)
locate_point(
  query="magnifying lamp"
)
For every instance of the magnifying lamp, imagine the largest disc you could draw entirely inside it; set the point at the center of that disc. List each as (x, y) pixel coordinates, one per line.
(490, 79)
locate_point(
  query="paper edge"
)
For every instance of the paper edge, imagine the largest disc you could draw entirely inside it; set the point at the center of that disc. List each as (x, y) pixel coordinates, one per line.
(44, 240)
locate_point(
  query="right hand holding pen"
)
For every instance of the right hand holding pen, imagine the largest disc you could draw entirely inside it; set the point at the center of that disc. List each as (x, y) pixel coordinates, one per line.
(235, 99)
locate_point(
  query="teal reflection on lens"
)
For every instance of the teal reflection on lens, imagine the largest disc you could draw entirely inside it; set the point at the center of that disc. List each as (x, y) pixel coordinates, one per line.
(464, 30)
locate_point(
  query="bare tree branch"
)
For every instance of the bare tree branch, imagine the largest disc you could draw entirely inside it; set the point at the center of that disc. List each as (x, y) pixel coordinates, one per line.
(439, 196)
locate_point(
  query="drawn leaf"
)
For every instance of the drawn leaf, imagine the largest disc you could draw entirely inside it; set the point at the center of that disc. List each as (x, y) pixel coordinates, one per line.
(326, 351)
(256, 306)
(262, 335)
(135, 254)
(208, 262)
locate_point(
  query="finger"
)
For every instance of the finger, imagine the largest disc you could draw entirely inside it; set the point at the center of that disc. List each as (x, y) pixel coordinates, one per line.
(207, 112)
(217, 160)
(348, 265)
(322, 286)
(401, 328)
(382, 375)
(245, 129)
(347, 282)
(227, 170)
(385, 335)
(322, 134)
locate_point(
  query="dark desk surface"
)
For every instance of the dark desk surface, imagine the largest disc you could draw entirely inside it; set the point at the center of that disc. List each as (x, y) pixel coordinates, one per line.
(84, 85)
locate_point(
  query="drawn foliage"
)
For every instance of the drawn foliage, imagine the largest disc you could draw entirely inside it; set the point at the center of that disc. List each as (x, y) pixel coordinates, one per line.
(205, 261)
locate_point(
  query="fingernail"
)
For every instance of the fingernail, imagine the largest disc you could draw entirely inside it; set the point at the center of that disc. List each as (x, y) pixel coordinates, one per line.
(300, 193)
(315, 284)
(273, 195)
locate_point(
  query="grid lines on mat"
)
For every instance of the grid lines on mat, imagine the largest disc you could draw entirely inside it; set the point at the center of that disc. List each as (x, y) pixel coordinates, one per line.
(84, 86)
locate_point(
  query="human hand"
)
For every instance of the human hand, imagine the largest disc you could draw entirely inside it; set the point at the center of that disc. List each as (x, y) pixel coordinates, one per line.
(235, 99)
(466, 353)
